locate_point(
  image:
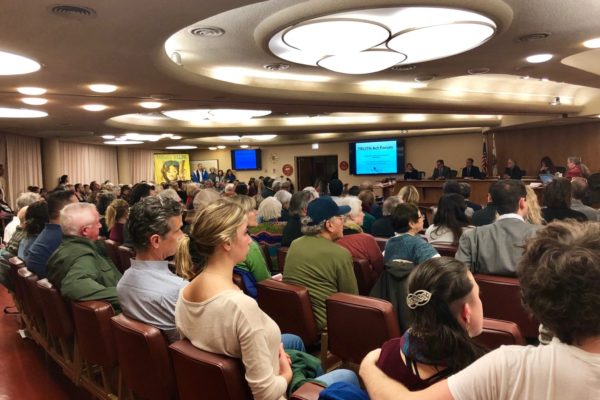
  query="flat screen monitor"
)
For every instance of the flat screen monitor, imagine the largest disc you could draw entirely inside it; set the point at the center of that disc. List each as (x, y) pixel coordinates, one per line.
(377, 157)
(246, 160)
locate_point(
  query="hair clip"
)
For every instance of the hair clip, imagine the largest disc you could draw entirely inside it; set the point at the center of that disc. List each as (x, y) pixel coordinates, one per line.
(418, 299)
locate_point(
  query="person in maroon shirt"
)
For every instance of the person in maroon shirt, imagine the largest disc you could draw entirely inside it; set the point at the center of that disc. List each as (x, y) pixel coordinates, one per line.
(116, 216)
(446, 314)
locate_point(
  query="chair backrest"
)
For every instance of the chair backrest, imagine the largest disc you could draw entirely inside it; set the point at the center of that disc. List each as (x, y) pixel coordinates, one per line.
(144, 359)
(445, 249)
(15, 264)
(501, 298)
(125, 255)
(33, 301)
(59, 321)
(290, 307)
(281, 254)
(94, 333)
(381, 242)
(112, 248)
(365, 276)
(216, 377)
(453, 173)
(497, 333)
(358, 324)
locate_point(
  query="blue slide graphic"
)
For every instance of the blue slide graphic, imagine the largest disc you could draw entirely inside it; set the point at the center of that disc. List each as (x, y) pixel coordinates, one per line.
(376, 157)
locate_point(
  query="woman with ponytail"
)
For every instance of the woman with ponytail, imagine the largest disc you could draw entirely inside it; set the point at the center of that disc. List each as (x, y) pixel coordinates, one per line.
(446, 313)
(116, 216)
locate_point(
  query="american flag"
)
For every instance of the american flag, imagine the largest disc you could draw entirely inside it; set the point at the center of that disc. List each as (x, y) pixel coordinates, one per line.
(484, 159)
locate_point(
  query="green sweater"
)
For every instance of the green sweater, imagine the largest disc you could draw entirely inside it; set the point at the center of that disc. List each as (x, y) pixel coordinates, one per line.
(255, 263)
(78, 270)
(323, 268)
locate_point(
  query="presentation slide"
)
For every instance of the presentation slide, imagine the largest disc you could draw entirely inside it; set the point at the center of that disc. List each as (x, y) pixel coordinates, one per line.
(376, 157)
(245, 159)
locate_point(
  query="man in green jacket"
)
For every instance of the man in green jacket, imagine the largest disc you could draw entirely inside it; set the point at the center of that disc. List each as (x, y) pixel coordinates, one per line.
(77, 268)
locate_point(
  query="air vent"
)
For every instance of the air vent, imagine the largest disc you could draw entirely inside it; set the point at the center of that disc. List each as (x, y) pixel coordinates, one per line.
(478, 71)
(425, 78)
(403, 67)
(207, 31)
(534, 36)
(73, 11)
(276, 67)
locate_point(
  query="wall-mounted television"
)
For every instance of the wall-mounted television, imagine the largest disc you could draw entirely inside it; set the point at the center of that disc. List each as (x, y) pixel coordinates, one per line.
(377, 157)
(246, 160)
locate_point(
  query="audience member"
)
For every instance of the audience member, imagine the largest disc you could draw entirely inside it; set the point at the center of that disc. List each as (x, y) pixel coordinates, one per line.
(77, 268)
(470, 171)
(116, 217)
(411, 173)
(487, 215)
(267, 184)
(449, 221)
(229, 190)
(354, 191)
(12, 247)
(496, 248)
(407, 245)
(171, 194)
(558, 275)
(103, 200)
(336, 187)
(148, 290)
(229, 176)
(141, 190)
(315, 262)
(409, 194)
(441, 171)
(241, 188)
(204, 197)
(252, 189)
(512, 170)
(36, 218)
(579, 189)
(23, 200)
(534, 211)
(465, 190)
(368, 201)
(557, 198)
(51, 236)
(314, 193)
(269, 232)
(284, 197)
(383, 227)
(297, 211)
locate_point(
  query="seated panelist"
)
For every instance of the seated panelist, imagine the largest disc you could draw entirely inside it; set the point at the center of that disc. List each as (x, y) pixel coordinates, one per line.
(470, 171)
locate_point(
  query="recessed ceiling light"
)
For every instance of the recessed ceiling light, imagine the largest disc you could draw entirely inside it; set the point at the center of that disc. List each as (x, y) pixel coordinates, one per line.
(102, 88)
(235, 115)
(142, 136)
(260, 137)
(94, 107)
(34, 101)
(315, 146)
(183, 147)
(108, 137)
(414, 117)
(245, 146)
(194, 115)
(122, 142)
(175, 137)
(221, 147)
(592, 43)
(6, 112)
(539, 58)
(151, 104)
(31, 91)
(13, 64)
(212, 148)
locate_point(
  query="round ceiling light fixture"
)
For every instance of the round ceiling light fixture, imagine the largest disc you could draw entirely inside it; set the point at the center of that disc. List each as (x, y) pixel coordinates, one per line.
(367, 41)
(182, 147)
(14, 64)
(31, 91)
(34, 101)
(539, 58)
(7, 112)
(102, 88)
(151, 104)
(223, 115)
(592, 43)
(94, 107)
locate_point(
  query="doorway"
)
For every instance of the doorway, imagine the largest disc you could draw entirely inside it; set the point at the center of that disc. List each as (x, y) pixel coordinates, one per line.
(316, 169)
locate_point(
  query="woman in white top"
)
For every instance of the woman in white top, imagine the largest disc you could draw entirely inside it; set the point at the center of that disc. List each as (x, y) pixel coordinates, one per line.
(216, 316)
(449, 220)
(559, 275)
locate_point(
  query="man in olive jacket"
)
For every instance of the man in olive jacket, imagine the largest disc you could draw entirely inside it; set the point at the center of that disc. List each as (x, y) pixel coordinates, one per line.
(77, 268)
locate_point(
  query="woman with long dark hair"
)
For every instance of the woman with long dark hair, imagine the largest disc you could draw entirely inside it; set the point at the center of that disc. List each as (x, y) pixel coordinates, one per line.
(449, 220)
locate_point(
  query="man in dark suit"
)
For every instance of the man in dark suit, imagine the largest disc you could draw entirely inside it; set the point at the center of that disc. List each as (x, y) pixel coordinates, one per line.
(471, 171)
(440, 171)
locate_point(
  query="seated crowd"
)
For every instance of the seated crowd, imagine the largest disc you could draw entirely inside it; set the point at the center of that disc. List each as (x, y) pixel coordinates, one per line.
(190, 239)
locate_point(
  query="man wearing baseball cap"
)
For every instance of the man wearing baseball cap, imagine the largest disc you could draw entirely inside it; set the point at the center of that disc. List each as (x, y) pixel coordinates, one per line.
(316, 262)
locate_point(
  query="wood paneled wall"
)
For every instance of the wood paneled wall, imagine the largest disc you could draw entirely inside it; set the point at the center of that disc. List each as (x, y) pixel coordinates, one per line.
(528, 146)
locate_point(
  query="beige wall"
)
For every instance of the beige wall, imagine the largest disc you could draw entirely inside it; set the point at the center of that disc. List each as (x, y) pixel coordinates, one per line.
(421, 151)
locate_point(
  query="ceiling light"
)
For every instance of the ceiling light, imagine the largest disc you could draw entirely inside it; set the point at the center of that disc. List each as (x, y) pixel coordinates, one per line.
(13, 64)
(315, 146)
(231, 138)
(34, 101)
(365, 62)
(175, 137)
(260, 138)
(102, 88)
(413, 117)
(119, 142)
(212, 148)
(221, 147)
(94, 107)
(31, 91)
(235, 115)
(592, 43)
(143, 137)
(194, 115)
(183, 147)
(166, 135)
(151, 104)
(108, 137)
(539, 58)
(6, 112)
(245, 146)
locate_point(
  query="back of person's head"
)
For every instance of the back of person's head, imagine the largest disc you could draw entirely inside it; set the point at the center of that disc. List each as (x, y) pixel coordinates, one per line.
(171, 194)
(229, 189)
(439, 290)
(389, 204)
(367, 197)
(213, 226)
(506, 195)
(57, 200)
(286, 185)
(27, 198)
(241, 188)
(103, 200)
(204, 197)
(299, 203)
(534, 211)
(283, 196)
(559, 274)
(267, 182)
(366, 185)
(139, 191)
(276, 186)
(353, 191)
(557, 194)
(150, 216)
(354, 203)
(451, 186)
(579, 188)
(75, 216)
(191, 188)
(575, 160)
(269, 209)
(246, 202)
(336, 187)
(36, 217)
(63, 179)
(116, 210)
(547, 161)
(465, 189)
(409, 194)
(450, 214)
(403, 215)
(313, 192)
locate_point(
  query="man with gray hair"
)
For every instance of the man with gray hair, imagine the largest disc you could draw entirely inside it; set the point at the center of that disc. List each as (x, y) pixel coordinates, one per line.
(148, 290)
(77, 267)
(24, 199)
(579, 188)
(315, 262)
(383, 227)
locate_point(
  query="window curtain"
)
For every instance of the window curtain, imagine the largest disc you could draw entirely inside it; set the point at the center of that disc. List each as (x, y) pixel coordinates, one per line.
(85, 163)
(142, 165)
(23, 164)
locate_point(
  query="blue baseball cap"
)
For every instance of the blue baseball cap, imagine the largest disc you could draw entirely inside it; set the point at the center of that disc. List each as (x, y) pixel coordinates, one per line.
(323, 208)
